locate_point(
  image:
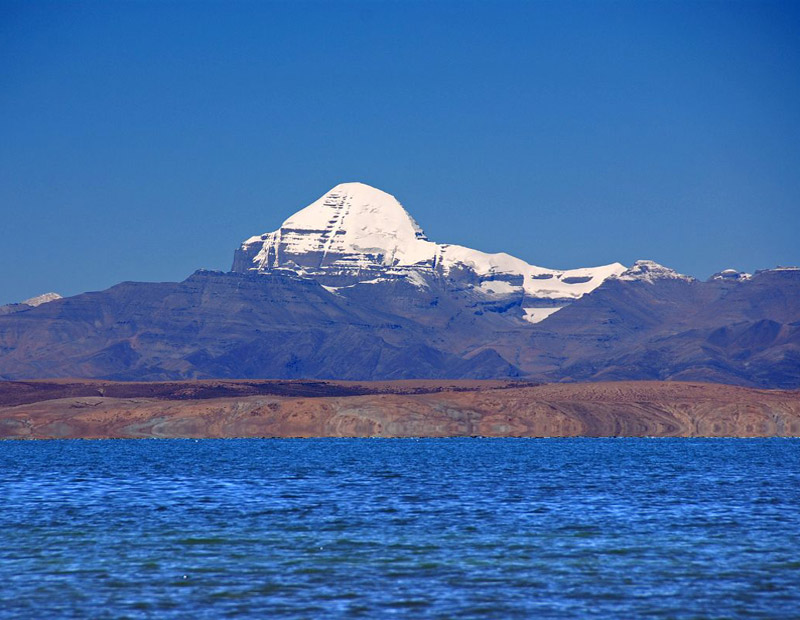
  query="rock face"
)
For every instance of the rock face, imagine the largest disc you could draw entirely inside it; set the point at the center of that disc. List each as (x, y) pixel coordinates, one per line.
(350, 288)
(405, 409)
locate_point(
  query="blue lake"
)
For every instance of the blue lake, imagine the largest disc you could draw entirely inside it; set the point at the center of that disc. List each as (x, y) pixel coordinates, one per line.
(467, 528)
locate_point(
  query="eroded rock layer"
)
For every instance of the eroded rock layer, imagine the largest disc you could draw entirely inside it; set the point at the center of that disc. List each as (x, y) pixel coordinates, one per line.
(42, 410)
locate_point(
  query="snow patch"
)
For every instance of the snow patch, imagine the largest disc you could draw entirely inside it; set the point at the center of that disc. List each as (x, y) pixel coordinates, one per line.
(498, 287)
(415, 278)
(537, 315)
(41, 299)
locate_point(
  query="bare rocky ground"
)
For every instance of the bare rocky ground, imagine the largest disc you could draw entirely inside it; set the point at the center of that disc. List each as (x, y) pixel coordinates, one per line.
(197, 409)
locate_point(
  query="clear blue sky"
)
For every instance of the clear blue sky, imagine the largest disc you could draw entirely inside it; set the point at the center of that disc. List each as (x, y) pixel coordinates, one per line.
(143, 140)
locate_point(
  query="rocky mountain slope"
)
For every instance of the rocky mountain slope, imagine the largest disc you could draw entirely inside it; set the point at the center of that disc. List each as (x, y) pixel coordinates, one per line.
(350, 288)
(742, 331)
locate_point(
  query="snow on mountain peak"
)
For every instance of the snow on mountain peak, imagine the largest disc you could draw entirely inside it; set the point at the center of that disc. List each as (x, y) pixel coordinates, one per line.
(353, 225)
(360, 210)
(731, 275)
(650, 271)
(41, 299)
(356, 233)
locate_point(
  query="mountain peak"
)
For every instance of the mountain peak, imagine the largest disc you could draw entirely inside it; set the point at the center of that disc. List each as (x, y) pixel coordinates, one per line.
(358, 212)
(730, 275)
(352, 227)
(356, 233)
(41, 299)
(650, 271)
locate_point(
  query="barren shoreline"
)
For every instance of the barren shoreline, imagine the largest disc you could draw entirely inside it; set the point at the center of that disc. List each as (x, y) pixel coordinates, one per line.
(220, 408)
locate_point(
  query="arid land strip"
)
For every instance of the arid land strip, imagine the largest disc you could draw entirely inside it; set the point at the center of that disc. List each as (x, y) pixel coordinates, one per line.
(195, 409)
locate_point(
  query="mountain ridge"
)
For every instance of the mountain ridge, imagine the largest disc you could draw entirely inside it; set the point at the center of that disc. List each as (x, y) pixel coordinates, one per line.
(357, 234)
(316, 313)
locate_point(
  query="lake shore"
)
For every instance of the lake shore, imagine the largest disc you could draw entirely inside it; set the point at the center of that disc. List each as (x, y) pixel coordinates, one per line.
(75, 409)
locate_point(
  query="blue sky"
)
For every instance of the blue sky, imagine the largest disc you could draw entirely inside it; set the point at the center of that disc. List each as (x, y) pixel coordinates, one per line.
(143, 140)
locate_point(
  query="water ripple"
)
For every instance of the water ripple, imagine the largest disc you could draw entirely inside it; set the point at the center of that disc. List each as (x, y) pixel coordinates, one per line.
(434, 528)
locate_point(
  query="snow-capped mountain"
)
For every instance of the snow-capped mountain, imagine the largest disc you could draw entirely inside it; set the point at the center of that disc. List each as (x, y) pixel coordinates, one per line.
(351, 288)
(731, 275)
(357, 234)
(650, 271)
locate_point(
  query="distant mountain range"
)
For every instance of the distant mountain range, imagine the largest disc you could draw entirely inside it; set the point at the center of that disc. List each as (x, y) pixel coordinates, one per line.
(351, 288)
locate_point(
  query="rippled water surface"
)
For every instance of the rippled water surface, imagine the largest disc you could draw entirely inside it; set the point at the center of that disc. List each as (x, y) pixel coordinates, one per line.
(484, 528)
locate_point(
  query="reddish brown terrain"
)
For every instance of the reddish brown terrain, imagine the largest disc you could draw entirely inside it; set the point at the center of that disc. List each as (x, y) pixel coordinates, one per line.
(103, 409)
